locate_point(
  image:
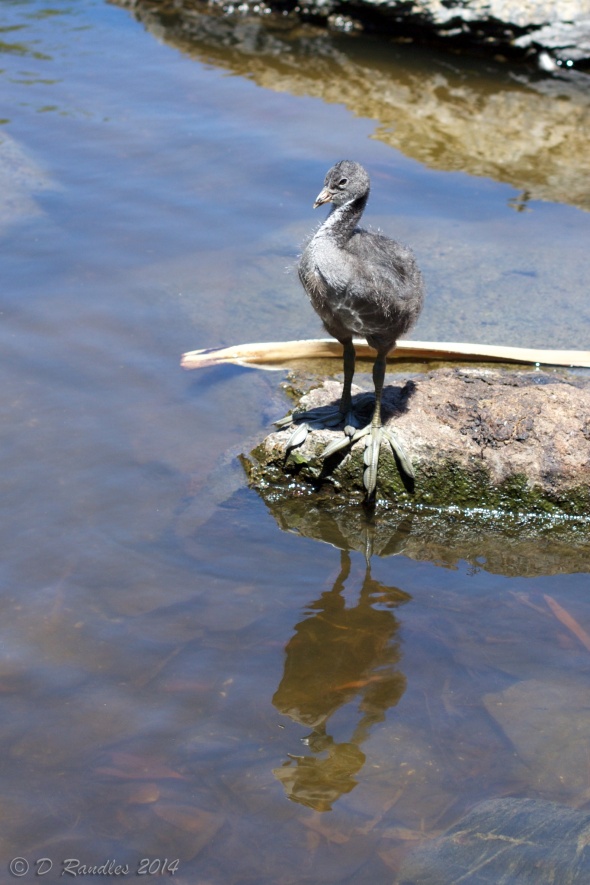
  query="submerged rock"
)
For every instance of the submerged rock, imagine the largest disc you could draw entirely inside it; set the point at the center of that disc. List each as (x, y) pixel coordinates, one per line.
(478, 438)
(548, 725)
(21, 180)
(523, 841)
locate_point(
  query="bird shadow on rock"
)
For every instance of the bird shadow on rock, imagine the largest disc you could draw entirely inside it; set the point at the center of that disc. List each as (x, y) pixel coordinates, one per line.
(396, 399)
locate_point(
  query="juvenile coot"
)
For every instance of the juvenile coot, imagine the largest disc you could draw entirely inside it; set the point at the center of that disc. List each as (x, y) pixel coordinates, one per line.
(364, 284)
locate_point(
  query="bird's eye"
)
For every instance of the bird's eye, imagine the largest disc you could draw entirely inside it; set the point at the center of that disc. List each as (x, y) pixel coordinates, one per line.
(342, 182)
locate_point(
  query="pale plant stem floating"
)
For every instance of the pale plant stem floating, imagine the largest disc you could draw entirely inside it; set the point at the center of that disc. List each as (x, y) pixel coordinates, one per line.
(275, 355)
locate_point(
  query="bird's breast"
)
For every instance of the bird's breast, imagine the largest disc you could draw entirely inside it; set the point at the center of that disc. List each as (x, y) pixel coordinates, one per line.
(325, 267)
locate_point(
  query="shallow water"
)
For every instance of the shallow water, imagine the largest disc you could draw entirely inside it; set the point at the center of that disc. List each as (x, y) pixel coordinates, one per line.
(179, 677)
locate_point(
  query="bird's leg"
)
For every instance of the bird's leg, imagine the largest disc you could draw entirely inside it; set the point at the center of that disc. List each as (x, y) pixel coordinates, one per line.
(348, 359)
(348, 363)
(326, 417)
(378, 380)
(374, 428)
(374, 433)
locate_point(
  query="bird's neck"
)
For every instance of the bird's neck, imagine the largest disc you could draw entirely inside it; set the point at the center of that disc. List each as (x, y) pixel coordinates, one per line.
(342, 220)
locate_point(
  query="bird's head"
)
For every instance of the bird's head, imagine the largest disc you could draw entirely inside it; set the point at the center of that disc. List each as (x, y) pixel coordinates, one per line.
(345, 181)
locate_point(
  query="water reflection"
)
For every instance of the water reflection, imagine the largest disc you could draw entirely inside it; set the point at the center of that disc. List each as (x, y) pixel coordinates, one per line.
(343, 664)
(140, 658)
(340, 654)
(497, 542)
(527, 130)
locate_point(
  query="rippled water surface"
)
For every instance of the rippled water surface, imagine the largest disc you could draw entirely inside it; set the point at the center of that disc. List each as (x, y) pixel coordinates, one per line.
(186, 673)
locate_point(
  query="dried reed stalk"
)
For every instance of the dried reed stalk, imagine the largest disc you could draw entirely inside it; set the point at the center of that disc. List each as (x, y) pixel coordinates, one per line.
(275, 354)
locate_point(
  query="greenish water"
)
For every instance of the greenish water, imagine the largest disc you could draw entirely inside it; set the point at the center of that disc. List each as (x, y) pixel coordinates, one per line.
(185, 673)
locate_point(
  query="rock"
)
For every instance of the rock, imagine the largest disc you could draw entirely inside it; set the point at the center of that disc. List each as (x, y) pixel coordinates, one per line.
(548, 724)
(560, 29)
(506, 841)
(478, 438)
(566, 43)
(21, 179)
(558, 32)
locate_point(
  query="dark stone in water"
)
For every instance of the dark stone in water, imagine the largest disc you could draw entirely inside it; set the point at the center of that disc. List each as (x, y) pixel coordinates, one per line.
(506, 842)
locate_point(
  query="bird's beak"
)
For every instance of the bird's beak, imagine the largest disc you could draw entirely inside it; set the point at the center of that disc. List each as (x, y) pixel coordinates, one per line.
(324, 196)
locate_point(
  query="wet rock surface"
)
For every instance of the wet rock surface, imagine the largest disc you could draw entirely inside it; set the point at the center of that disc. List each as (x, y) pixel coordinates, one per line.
(555, 34)
(516, 442)
(506, 841)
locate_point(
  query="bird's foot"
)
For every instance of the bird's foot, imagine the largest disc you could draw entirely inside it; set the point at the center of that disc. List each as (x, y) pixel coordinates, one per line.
(374, 435)
(316, 419)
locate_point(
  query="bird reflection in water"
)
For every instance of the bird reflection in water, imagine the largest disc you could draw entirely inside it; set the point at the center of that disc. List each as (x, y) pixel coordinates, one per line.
(339, 654)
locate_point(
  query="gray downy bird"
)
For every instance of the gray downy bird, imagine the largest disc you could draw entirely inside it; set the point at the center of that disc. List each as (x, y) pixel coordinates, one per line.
(363, 284)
